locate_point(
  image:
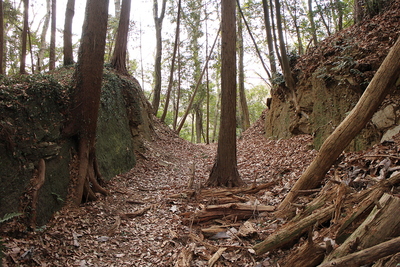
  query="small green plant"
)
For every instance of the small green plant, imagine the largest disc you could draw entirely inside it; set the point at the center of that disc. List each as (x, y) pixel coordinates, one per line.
(58, 197)
(9, 216)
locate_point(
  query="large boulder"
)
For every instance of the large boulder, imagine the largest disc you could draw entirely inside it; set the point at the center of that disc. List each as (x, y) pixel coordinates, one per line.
(33, 110)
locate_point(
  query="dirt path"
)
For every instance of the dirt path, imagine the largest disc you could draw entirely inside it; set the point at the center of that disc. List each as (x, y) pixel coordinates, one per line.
(110, 232)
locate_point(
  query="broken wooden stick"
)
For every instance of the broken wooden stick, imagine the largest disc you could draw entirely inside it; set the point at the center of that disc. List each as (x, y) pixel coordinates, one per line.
(233, 210)
(367, 255)
(293, 230)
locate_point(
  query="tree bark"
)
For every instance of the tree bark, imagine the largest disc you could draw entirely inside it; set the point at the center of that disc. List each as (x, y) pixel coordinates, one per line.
(171, 75)
(244, 110)
(1, 37)
(118, 60)
(69, 15)
(287, 73)
(293, 230)
(43, 44)
(52, 62)
(189, 107)
(366, 256)
(224, 171)
(312, 22)
(382, 83)
(270, 40)
(158, 20)
(383, 222)
(88, 78)
(24, 38)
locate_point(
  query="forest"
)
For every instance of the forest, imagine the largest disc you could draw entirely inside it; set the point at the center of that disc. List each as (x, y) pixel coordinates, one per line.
(199, 133)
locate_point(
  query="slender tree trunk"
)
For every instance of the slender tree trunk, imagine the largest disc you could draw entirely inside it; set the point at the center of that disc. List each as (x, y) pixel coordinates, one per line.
(118, 60)
(224, 171)
(24, 38)
(339, 7)
(319, 10)
(254, 41)
(158, 20)
(88, 78)
(270, 40)
(1, 37)
(287, 73)
(199, 123)
(207, 85)
(52, 62)
(43, 43)
(118, 8)
(69, 15)
(31, 51)
(293, 15)
(189, 107)
(382, 83)
(178, 91)
(171, 75)
(312, 22)
(244, 110)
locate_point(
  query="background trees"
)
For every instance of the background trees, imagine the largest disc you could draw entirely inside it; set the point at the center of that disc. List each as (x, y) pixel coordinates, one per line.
(304, 23)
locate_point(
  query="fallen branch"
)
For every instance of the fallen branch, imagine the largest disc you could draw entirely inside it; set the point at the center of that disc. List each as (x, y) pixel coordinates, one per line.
(215, 257)
(136, 213)
(366, 256)
(293, 230)
(233, 210)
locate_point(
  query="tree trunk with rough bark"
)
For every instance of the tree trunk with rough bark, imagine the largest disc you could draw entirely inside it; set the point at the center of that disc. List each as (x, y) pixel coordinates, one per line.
(158, 20)
(244, 109)
(52, 62)
(1, 37)
(171, 74)
(118, 60)
(24, 38)
(86, 99)
(224, 171)
(69, 15)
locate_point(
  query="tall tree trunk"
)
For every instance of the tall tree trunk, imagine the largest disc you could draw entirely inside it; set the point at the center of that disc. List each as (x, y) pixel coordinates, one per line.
(312, 22)
(52, 63)
(287, 73)
(339, 7)
(270, 40)
(43, 43)
(24, 38)
(158, 20)
(254, 41)
(244, 110)
(189, 107)
(88, 78)
(294, 16)
(117, 4)
(1, 37)
(382, 83)
(171, 75)
(199, 123)
(69, 15)
(224, 171)
(118, 60)
(178, 91)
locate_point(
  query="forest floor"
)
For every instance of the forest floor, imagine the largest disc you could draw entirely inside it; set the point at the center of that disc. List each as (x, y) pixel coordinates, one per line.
(141, 222)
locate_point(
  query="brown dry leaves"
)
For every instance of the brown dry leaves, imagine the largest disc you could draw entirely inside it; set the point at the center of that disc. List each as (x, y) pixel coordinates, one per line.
(137, 225)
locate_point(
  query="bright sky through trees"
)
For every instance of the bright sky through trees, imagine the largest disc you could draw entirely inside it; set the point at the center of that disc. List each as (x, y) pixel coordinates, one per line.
(142, 16)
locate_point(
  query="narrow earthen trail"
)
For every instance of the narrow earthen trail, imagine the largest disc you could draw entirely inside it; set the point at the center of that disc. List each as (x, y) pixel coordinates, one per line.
(139, 225)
